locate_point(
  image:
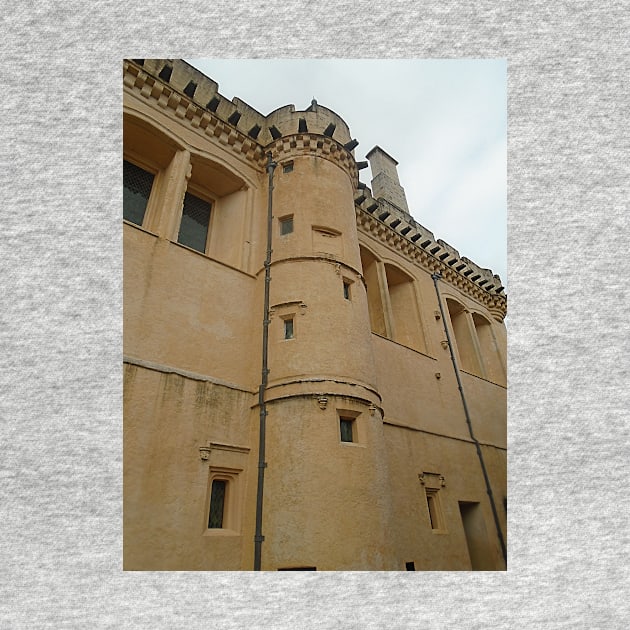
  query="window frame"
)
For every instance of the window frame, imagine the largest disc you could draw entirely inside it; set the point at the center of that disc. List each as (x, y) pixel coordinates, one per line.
(224, 500)
(286, 319)
(284, 221)
(347, 289)
(348, 423)
(434, 510)
(142, 164)
(231, 521)
(203, 195)
(354, 417)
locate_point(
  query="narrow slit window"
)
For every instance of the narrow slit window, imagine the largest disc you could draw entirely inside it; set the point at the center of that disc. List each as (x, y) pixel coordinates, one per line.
(434, 509)
(288, 328)
(193, 230)
(137, 184)
(286, 225)
(217, 503)
(346, 428)
(346, 289)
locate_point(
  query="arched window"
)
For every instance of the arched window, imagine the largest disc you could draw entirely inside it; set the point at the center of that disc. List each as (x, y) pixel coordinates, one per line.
(392, 302)
(406, 327)
(464, 340)
(490, 356)
(147, 154)
(374, 298)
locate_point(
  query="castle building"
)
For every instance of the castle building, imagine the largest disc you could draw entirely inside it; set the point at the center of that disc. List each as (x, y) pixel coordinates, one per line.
(312, 381)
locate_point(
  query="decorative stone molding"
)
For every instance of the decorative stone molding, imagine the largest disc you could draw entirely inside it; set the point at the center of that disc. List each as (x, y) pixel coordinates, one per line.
(284, 305)
(322, 401)
(425, 259)
(314, 145)
(384, 221)
(432, 480)
(401, 232)
(151, 88)
(204, 451)
(216, 124)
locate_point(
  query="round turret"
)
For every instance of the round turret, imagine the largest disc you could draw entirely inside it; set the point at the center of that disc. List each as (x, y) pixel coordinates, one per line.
(324, 431)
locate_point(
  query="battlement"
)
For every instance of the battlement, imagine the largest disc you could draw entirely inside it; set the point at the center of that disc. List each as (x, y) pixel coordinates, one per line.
(201, 91)
(196, 97)
(391, 225)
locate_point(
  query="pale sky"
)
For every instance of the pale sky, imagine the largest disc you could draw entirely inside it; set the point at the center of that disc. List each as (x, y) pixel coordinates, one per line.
(443, 121)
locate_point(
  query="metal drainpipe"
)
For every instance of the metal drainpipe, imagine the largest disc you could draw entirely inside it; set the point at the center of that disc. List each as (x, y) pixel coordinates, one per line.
(258, 537)
(435, 277)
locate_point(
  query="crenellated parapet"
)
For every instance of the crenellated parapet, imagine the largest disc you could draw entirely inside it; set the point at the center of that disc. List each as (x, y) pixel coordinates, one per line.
(167, 85)
(309, 144)
(316, 119)
(194, 99)
(405, 235)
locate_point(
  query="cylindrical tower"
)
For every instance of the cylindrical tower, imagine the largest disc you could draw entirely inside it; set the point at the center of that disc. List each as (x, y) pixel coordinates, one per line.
(326, 470)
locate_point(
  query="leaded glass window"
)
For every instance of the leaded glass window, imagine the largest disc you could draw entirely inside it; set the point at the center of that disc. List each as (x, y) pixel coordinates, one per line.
(137, 184)
(217, 503)
(193, 230)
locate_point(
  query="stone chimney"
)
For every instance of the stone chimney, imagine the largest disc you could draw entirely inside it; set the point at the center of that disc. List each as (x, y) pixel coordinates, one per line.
(385, 184)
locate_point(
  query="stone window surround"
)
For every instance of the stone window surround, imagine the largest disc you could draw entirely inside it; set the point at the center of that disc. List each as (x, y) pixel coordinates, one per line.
(433, 484)
(232, 502)
(358, 430)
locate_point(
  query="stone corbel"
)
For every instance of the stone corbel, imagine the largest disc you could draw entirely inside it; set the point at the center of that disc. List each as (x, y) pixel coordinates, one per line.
(204, 452)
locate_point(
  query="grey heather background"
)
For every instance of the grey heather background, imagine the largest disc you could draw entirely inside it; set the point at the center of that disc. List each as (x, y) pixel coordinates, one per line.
(61, 314)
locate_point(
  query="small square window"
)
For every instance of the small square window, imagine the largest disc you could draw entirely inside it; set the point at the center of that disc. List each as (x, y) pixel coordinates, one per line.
(286, 225)
(288, 328)
(288, 167)
(346, 427)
